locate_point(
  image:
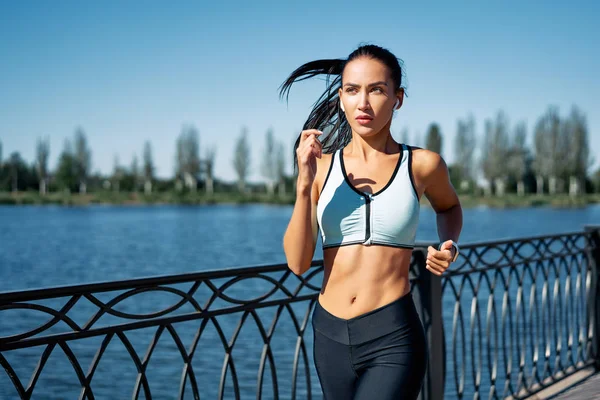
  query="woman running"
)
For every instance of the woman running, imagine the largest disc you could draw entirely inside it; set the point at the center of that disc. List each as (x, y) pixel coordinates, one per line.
(361, 189)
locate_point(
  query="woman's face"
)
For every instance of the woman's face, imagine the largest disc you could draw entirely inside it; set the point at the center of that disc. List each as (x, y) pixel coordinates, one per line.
(368, 95)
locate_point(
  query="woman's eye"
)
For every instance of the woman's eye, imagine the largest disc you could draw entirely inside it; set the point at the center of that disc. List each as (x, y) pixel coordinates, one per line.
(378, 90)
(350, 90)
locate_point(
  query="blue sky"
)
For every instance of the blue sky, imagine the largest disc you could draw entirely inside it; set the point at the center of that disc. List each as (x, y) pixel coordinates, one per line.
(133, 71)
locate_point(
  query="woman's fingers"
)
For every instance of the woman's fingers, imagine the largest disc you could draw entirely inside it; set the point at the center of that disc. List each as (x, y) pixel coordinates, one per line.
(309, 135)
(437, 261)
(435, 265)
(310, 141)
(433, 271)
(305, 134)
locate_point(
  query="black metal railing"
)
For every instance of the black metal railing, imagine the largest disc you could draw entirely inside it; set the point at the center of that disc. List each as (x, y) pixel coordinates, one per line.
(509, 319)
(524, 315)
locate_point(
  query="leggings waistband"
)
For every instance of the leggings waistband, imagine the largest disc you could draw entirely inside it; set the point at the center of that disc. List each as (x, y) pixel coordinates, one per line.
(371, 325)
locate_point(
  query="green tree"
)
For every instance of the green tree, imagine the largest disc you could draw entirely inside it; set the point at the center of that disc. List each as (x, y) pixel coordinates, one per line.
(66, 177)
(596, 181)
(42, 155)
(547, 160)
(241, 159)
(578, 159)
(494, 152)
(433, 141)
(268, 167)
(209, 166)
(17, 170)
(148, 167)
(187, 162)
(516, 158)
(83, 159)
(464, 147)
(4, 178)
(280, 167)
(118, 174)
(135, 173)
(2, 175)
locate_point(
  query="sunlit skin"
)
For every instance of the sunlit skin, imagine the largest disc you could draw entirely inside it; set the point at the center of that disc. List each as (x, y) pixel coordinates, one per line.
(359, 278)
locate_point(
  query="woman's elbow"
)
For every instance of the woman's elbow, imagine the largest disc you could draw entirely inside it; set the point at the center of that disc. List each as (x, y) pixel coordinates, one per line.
(298, 270)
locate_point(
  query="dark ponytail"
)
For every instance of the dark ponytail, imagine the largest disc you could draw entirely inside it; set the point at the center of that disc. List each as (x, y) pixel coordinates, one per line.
(326, 114)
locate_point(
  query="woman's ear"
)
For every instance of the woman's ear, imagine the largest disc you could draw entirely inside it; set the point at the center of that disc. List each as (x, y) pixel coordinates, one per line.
(400, 99)
(342, 106)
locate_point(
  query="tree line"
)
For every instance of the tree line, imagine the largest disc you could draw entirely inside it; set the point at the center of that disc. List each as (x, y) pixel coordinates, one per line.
(193, 170)
(557, 162)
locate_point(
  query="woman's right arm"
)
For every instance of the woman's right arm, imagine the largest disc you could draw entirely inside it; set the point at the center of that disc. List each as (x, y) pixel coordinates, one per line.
(300, 236)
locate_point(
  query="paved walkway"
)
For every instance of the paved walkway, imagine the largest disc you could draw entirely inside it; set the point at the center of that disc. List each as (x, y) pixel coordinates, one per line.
(586, 390)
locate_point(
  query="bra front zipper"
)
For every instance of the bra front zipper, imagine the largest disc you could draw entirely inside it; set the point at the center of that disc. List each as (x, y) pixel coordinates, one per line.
(368, 199)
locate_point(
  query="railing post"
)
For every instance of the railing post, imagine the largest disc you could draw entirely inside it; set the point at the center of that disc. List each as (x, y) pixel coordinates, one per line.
(594, 299)
(428, 298)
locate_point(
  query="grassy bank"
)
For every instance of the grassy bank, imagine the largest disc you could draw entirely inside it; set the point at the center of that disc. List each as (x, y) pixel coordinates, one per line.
(513, 201)
(75, 199)
(136, 198)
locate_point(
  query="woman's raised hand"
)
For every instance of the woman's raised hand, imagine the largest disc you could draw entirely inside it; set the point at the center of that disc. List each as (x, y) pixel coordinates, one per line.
(307, 151)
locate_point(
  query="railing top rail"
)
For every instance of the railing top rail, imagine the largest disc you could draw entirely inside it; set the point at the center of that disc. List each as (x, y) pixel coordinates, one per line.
(69, 290)
(526, 238)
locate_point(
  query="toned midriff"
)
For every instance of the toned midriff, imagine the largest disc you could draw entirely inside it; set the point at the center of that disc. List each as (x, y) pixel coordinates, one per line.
(358, 279)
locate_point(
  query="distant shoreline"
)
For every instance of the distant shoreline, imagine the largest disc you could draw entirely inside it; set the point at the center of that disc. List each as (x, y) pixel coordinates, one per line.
(189, 198)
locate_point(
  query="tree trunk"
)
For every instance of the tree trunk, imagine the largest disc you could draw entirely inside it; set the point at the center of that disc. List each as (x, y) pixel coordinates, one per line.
(148, 186)
(281, 188)
(560, 185)
(190, 181)
(270, 187)
(209, 185)
(82, 187)
(43, 186)
(574, 186)
(552, 185)
(539, 185)
(521, 188)
(500, 186)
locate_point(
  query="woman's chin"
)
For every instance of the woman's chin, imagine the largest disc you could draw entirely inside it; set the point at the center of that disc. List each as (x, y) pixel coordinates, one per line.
(365, 130)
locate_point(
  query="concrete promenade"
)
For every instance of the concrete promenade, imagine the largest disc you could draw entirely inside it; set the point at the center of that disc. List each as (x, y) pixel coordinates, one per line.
(589, 389)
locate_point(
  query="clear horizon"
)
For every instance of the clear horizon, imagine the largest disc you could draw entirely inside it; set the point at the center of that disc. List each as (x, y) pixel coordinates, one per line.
(140, 71)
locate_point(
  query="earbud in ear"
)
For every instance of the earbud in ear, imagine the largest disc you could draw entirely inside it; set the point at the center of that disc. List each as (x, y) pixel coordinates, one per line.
(342, 106)
(396, 104)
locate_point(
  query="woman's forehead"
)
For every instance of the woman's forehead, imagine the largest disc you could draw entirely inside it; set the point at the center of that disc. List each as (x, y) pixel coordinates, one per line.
(365, 69)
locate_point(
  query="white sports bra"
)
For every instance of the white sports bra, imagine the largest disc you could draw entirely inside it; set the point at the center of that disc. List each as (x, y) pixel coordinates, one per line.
(388, 217)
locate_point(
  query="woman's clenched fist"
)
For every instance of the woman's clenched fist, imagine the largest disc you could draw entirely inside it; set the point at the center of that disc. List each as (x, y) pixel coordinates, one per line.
(308, 150)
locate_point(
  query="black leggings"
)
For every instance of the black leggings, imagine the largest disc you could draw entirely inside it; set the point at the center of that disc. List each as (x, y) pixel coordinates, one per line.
(381, 354)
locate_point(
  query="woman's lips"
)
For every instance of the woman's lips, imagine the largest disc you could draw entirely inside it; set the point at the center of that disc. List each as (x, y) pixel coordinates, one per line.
(363, 120)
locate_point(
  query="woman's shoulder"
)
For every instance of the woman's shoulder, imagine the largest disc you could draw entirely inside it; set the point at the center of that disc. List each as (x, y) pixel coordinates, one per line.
(426, 162)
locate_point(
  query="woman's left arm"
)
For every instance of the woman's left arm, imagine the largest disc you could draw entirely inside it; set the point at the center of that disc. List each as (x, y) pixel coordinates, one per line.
(438, 189)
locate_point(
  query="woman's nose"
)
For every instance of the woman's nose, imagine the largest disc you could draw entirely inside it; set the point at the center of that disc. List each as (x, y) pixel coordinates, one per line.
(363, 103)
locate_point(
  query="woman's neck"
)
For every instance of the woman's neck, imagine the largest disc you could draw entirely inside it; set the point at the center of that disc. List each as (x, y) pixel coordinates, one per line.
(366, 148)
